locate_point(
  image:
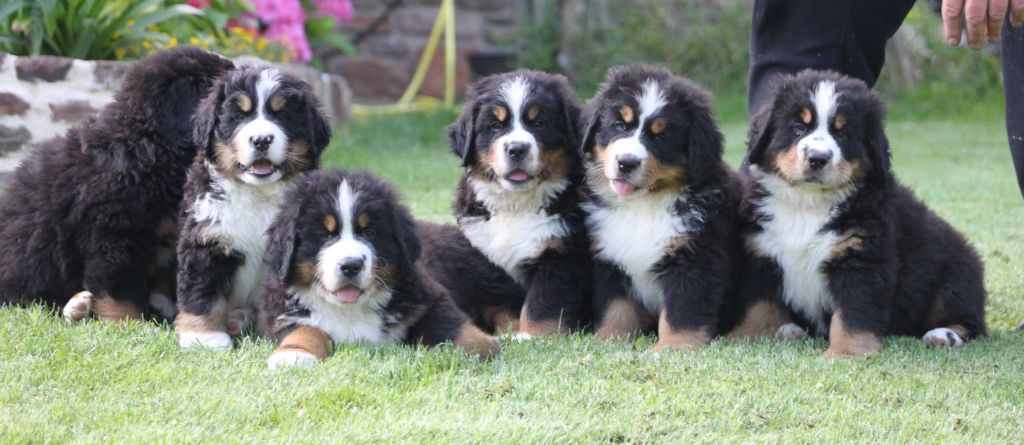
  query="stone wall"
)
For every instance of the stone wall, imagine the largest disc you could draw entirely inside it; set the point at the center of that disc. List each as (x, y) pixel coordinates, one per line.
(387, 58)
(42, 97)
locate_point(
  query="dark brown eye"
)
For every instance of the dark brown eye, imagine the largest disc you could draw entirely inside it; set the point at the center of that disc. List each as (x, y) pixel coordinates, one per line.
(799, 129)
(539, 123)
(620, 126)
(496, 125)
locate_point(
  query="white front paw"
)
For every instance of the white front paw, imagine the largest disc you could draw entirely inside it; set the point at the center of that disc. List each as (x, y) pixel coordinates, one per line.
(79, 306)
(790, 331)
(290, 359)
(943, 337)
(217, 341)
(520, 336)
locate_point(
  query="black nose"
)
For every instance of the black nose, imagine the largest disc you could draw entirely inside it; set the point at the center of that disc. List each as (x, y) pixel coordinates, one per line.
(351, 266)
(818, 159)
(517, 150)
(627, 163)
(261, 142)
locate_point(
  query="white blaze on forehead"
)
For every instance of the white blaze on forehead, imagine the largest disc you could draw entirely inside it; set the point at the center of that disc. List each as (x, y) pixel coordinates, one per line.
(266, 83)
(650, 100)
(346, 246)
(825, 98)
(514, 93)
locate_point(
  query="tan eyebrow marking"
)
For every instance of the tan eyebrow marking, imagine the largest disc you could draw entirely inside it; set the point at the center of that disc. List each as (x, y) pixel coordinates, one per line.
(805, 115)
(244, 103)
(840, 121)
(277, 102)
(363, 220)
(330, 223)
(532, 113)
(627, 114)
(659, 125)
(499, 112)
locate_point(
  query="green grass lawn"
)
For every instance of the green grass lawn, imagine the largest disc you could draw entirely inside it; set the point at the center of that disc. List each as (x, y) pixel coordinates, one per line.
(96, 382)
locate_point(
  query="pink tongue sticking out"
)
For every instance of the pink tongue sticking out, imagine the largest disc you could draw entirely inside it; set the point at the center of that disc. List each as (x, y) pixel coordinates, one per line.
(348, 294)
(262, 167)
(518, 176)
(622, 188)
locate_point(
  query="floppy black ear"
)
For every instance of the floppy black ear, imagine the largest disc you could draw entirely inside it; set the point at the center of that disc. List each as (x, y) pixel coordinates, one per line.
(761, 134)
(878, 147)
(571, 110)
(704, 152)
(207, 117)
(406, 239)
(319, 128)
(281, 241)
(589, 121)
(461, 135)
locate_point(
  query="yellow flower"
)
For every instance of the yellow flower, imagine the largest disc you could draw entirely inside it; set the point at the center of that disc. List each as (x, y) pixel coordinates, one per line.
(193, 41)
(173, 42)
(147, 44)
(131, 22)
(120, 52)
(117, 35)
(261, 44)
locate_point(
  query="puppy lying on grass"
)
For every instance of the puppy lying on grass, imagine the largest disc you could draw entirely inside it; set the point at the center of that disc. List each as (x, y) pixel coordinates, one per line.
(343, 254)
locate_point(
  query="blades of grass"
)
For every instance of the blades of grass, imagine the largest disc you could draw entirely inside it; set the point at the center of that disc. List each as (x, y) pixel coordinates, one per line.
(35, 35)
(166, 14)
(82, 46)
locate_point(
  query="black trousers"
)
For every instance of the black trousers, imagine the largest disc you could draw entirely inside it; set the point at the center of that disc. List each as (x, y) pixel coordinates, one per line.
(849, 36)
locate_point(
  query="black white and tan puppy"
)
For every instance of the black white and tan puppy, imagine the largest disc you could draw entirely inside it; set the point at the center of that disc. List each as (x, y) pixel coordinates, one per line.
(835, 241)
(91, 209)
(517, 204)
(343, 254)
(257, 129)
(661, 208)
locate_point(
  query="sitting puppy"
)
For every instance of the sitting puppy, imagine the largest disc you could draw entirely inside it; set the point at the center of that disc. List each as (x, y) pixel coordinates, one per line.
(835, 240)
(661, 208)
(343, 254)
(258, 128)
(517, 206)
(90, 210)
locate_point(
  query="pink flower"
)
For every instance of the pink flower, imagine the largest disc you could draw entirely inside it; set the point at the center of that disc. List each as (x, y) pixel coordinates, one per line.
(339, 9)
(285, 21)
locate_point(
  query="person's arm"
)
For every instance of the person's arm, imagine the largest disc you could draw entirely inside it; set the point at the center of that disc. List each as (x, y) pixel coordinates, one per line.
(984, 19)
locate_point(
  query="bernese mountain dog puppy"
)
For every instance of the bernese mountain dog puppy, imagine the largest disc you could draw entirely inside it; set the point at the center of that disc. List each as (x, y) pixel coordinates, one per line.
(835, 243)
(344, 259)
(661, 209)
(257, 129)
(517, 206)
(90, 210)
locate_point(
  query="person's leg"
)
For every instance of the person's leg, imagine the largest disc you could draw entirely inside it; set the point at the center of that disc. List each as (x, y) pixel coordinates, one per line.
(1013, 85)
(848, 36)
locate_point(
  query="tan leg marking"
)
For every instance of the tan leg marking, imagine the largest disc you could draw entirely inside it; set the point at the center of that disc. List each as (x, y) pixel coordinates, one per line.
(214, 321)
(502, 318)
(305, 339)
(107, 308)
(540, 327)
(762, 320)
(624, 319)
(471, 339)
(849, 241)
(683, 340)
(848, 343)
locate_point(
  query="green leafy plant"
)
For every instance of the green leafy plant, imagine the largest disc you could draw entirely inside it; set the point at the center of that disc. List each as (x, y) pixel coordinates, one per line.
(84, 29)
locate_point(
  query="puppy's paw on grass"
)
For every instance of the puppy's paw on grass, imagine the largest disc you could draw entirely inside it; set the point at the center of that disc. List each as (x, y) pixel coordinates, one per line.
(290, 359)
(79, 307)
(943, 338)
(216, 341)
(790, 331)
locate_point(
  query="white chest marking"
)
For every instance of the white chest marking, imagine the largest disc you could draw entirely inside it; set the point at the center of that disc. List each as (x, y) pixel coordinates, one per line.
(239, 220)
(794, 239)
(634, 235)
(518, 229)
(363, 321)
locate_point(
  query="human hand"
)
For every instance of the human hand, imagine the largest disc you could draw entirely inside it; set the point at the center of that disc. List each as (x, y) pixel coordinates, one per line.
(984, 19)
